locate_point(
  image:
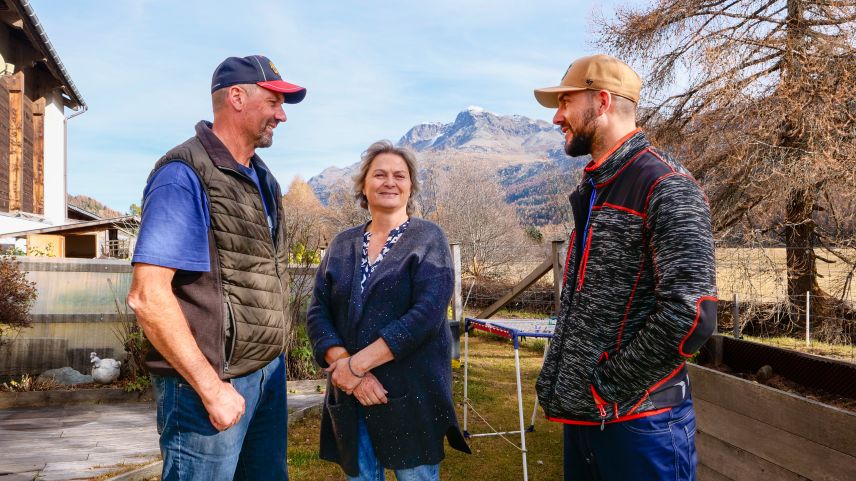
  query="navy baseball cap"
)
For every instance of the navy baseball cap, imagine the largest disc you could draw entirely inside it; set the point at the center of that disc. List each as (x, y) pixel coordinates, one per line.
(255, 69)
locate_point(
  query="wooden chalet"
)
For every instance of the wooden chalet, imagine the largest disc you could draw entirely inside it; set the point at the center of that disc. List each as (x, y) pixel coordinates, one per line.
(37, 97)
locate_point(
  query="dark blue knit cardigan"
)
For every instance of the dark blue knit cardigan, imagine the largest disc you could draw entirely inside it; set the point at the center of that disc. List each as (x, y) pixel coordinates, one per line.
(404, 302)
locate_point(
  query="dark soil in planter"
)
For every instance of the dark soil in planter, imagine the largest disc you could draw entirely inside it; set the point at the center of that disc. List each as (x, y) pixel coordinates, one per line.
(782, 383)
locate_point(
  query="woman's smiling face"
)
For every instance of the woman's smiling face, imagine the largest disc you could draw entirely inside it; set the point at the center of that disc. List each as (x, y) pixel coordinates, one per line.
(387, 185)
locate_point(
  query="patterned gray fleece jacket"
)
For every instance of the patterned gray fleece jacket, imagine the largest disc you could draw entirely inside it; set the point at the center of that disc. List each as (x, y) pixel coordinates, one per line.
(639, 292)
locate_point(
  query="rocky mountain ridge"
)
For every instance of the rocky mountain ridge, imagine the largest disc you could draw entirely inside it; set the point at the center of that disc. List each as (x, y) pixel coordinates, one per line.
(525, 154)
(476, 130)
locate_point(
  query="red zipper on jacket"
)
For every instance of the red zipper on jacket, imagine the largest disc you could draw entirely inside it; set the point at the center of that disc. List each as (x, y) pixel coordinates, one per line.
(626, 417)
(599, 401)
(601, 406)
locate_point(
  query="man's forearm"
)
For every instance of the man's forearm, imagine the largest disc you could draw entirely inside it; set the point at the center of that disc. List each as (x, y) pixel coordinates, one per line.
(163, 322)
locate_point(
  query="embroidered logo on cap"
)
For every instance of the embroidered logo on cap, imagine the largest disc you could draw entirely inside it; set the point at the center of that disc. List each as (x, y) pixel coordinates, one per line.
(273, 67)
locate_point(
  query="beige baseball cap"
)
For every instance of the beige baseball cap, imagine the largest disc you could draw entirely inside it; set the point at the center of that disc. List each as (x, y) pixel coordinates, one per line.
(597, 72)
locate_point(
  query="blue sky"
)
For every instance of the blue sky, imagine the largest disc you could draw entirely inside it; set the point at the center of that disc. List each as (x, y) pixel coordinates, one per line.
(373, 69)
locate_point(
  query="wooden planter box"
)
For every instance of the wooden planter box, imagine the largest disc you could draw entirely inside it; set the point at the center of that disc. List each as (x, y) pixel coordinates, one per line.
(748, 431)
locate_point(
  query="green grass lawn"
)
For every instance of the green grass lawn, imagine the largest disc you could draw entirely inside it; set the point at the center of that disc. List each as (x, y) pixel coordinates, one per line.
(493, 393)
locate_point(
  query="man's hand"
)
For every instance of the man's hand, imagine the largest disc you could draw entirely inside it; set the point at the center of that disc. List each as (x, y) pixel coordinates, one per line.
(342, 376)
(370, 391)
(225, 406)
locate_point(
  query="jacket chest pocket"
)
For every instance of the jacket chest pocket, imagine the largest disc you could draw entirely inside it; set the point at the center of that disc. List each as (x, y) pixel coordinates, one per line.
(612, 255)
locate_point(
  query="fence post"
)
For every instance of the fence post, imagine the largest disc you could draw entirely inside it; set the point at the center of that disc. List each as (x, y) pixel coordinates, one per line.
(808, 319)
(457, 300)
(735, 315)
(455, 323)
(556, 252)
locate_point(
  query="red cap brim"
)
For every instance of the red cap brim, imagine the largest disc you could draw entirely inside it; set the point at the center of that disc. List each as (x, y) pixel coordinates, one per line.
(293, 93)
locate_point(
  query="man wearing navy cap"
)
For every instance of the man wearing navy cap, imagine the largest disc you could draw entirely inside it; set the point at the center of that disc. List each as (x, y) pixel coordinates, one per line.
(209, 286)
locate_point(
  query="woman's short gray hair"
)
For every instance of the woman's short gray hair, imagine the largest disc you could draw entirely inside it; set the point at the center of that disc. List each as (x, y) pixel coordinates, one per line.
(385, 147)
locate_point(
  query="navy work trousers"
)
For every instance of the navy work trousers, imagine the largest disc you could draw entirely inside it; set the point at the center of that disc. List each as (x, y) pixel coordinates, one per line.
(653, 448)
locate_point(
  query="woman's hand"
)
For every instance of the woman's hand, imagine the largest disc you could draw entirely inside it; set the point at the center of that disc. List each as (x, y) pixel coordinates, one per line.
(370, 391)
(342, 376)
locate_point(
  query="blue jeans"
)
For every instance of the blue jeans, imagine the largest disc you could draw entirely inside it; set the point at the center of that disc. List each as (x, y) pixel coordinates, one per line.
(371, 469)
(253, 449)
(653, 448)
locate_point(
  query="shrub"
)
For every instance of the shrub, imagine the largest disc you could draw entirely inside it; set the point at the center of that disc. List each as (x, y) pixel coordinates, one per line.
(300, 363)
(17, 296)
(131, 335)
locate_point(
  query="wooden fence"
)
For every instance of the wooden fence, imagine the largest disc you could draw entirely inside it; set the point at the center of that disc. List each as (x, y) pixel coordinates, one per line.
(75, 313)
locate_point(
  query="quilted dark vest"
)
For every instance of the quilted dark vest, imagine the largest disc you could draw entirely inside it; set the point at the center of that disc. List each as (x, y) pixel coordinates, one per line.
(236, 311)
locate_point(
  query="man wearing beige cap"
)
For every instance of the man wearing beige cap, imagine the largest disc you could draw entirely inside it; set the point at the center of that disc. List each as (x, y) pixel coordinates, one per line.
(639, 294)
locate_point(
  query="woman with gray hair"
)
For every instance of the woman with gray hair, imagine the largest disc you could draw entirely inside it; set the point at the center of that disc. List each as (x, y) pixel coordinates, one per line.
(378, 325)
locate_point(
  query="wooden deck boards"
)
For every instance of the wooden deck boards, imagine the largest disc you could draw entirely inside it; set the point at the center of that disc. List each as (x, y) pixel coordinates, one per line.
(88, 440)
(75, 442)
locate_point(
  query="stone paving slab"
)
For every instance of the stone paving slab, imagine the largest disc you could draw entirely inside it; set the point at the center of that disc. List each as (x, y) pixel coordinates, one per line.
(85, 441)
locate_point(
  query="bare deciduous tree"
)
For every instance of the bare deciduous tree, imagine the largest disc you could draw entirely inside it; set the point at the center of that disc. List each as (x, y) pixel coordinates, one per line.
(470, 207)
(763, 116)
(343, 211)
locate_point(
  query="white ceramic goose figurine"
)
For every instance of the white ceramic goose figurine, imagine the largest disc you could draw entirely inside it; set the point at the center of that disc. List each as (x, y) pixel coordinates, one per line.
(104, 371)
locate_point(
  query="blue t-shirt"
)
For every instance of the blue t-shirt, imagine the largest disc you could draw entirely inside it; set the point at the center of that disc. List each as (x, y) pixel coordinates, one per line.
(174, 227)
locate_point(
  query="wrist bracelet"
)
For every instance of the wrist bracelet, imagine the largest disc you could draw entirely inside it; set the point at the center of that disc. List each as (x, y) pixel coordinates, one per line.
(352, 369)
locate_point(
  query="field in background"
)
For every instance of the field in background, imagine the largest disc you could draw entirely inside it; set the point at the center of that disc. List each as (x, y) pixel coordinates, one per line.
(760, 274)
(757, 275)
